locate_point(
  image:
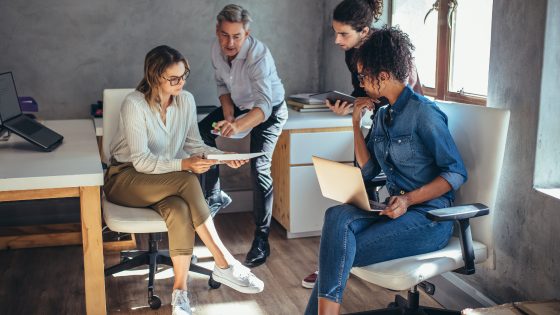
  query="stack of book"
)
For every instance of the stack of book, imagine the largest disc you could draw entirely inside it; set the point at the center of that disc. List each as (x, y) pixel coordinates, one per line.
(303, 103)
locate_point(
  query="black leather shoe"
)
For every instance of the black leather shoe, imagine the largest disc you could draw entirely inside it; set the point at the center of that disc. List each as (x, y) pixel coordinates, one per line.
(258, 253)
(217, 201)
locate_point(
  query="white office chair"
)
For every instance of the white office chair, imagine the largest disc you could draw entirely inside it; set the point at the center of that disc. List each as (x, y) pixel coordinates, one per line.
(135, 220)
(480, 134)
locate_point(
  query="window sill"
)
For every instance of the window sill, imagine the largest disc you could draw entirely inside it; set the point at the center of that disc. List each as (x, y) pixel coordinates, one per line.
(553, 192)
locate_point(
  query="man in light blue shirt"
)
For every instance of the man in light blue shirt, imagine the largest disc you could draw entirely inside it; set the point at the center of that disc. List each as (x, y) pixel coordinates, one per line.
(248, 85)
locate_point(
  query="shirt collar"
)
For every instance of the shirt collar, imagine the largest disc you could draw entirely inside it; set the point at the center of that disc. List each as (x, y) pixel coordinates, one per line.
(401, 102)
(242, 54)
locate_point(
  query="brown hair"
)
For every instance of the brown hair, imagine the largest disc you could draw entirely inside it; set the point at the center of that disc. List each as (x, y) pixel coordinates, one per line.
(358, 13)
(157, 61)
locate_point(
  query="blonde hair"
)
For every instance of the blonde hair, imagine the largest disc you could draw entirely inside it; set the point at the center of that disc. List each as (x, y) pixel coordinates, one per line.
(157, 61)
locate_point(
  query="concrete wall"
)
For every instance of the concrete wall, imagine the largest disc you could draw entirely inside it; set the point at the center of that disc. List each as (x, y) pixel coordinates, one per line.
(65, 52)
(547, 166)
(523, 77)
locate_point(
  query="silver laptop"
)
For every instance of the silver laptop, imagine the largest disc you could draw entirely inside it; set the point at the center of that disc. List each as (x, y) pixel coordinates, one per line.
(12, 119)
(344, 183)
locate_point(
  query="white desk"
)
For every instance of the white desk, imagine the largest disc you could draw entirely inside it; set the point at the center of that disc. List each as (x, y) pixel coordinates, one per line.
(71, 170)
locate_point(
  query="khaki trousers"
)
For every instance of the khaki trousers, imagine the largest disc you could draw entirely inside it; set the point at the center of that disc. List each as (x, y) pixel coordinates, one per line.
(176, 196)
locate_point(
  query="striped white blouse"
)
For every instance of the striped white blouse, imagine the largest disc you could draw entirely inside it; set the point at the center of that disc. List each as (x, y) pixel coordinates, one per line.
(152, 146)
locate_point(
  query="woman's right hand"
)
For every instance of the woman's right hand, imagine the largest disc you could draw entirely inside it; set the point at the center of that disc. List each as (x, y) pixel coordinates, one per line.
(360, 108)
(197, 164)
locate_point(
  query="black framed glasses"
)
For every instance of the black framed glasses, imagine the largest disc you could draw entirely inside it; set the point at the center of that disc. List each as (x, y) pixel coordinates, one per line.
(361, 77)
(175, 80)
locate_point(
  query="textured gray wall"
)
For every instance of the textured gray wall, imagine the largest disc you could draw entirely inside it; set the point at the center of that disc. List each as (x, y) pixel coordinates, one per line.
(65, 52)
(547, 166)
(526, 222)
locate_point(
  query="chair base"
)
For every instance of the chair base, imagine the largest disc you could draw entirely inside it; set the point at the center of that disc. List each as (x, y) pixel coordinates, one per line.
(402, 306)
(153, 257)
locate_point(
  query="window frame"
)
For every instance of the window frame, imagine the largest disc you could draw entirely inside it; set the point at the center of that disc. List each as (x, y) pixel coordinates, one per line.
(443, 60)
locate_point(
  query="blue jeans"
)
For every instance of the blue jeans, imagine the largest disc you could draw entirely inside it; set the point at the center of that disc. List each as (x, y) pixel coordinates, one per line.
(354, 237)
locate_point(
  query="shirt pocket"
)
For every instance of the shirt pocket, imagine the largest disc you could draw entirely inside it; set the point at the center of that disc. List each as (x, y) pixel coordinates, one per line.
(401, 148)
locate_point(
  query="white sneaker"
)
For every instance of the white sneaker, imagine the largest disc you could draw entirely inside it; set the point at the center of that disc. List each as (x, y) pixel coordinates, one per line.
(238, 277)
(180, 303)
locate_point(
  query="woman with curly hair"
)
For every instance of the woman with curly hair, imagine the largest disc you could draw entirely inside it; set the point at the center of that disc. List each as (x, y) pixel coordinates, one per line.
(411, 143)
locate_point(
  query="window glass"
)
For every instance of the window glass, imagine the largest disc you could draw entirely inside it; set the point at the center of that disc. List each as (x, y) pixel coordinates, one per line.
(409, 15)
(470, 47)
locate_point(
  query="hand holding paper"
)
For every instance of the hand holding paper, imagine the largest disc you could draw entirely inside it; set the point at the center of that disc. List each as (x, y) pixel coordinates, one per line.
(231, 157)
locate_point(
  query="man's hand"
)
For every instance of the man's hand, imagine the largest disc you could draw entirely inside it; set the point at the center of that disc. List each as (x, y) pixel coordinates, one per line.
(396, 207)
(234, 163)
(226, 128)
(360, 109)
(340, 109)
(230, 119)
(197, 164)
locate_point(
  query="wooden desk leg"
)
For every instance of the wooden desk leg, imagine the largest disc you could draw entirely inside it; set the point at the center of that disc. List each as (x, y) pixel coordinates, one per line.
(93, 251)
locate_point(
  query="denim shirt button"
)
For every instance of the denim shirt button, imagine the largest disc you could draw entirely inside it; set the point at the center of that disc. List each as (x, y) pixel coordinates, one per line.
(399, 141)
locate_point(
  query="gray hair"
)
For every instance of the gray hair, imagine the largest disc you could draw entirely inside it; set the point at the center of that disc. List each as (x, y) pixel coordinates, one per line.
(234, 13)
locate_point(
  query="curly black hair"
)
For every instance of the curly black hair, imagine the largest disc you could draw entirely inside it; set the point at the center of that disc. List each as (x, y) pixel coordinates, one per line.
(388, 49)
(358, 13)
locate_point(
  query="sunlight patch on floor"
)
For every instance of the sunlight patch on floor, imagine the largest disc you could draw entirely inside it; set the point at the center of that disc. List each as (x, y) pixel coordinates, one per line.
(245, 308)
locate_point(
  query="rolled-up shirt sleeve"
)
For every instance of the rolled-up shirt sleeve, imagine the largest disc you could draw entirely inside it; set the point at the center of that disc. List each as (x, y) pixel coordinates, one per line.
(261, 83)
(433, 131)
(143, 160)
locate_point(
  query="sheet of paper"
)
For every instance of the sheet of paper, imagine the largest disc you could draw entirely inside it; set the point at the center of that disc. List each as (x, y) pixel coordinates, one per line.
(230, 157)
(240, 135)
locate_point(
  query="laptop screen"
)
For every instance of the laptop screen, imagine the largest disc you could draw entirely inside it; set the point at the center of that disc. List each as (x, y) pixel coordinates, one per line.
(9, 102)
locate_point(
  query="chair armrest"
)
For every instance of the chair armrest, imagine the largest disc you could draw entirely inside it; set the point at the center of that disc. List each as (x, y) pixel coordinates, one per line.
(458, 213)
(462, 214)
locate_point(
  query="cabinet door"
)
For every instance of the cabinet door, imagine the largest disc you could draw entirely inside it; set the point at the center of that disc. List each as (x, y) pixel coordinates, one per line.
(307, 204)
(336, 146)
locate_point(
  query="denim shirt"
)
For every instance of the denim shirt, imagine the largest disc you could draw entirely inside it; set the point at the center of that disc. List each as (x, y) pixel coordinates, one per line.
(415, 149)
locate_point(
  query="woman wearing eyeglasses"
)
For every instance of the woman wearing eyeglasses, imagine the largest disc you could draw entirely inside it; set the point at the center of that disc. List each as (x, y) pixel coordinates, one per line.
(155, 152)
(411, 143)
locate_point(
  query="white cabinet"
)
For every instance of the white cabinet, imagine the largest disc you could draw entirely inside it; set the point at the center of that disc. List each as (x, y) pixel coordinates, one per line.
(334, 146)
(299, 205)
(307, 204)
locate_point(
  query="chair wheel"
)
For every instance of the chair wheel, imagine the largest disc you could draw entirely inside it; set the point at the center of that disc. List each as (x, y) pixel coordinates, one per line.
(213, 284)
(392, 304)
(194, 259)
(155, 302)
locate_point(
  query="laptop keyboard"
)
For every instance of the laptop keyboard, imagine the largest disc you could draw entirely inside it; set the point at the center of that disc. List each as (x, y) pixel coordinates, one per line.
(27, 127)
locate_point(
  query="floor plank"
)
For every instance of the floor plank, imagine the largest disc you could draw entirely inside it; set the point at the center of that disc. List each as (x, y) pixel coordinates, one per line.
(50, 280)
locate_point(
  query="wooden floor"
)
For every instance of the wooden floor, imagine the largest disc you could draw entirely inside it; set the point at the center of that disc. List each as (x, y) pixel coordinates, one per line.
(50, 280)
